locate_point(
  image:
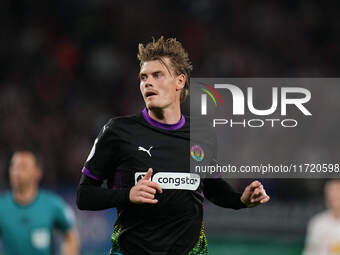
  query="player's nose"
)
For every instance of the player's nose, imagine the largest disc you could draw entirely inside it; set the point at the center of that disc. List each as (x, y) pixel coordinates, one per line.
(148, 84)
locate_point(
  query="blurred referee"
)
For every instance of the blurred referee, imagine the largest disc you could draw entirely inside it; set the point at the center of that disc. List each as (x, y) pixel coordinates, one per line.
(145, 160)
(29, 215)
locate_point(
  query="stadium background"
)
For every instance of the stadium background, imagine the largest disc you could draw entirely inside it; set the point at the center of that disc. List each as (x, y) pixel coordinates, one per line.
(68, 66)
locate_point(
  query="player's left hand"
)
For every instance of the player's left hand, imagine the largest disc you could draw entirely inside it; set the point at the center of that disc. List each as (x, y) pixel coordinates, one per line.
(254, 194)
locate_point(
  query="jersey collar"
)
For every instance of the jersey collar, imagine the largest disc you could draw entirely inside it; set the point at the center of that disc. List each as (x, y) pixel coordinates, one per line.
(161, 125)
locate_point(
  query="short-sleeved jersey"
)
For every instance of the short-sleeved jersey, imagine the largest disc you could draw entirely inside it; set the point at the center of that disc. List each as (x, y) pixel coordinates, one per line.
(124, 150)
(27, 229)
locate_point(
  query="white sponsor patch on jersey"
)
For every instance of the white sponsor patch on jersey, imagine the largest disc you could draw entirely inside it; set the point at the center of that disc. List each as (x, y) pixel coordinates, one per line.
(173, 180)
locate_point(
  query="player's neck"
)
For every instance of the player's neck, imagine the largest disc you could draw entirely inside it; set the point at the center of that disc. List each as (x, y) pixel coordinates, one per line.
(169, 115)
(25, 196)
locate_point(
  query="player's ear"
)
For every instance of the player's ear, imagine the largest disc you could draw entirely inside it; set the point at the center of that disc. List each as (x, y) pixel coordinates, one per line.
(181, 79)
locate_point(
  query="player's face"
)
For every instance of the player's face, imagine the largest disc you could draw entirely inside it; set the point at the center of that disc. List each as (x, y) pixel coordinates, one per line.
(23, 171)
(159, 85)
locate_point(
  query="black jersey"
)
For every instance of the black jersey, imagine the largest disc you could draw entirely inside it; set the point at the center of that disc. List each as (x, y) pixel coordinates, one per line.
(124, 150)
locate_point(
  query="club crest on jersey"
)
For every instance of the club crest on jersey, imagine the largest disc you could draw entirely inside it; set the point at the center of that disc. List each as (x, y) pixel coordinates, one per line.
(197, 152)
(140, 148)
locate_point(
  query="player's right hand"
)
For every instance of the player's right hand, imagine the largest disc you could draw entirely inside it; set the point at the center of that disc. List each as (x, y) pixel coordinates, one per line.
(144, 191)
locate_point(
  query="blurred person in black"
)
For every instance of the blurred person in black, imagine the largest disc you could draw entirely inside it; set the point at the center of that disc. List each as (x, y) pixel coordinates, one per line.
(159, 211)
(323, 231)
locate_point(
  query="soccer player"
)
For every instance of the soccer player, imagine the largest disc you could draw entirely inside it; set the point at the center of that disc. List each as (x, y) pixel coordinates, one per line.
(29, 215)
(162, 217)
(323, 231)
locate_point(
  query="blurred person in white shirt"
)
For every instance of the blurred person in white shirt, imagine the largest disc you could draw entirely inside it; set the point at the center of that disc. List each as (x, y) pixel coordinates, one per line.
(323, 230)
